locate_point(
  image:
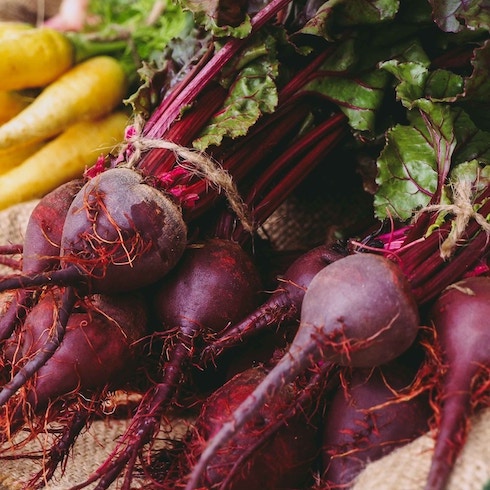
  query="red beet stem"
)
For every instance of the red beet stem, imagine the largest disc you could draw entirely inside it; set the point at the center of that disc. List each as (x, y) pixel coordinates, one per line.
(283, 190)
(252, 152)
(428, 272)
(158, 161)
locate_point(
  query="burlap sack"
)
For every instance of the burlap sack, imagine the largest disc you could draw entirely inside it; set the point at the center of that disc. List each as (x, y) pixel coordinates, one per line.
(90, 450)
(404, 469)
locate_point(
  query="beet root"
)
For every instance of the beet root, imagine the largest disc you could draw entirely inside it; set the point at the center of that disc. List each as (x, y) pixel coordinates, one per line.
(41, 248)
(42, 241)
(120, 234)
(357, 311)
(370, 417)
(461, 319)
(215, 283)
(99, 352)
(275, 450)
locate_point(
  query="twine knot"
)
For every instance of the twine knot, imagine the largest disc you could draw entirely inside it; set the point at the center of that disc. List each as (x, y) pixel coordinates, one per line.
(463, 210)
(195, 161)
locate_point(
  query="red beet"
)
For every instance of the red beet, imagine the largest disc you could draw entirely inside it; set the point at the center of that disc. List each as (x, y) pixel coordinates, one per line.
(119, 234)
(283, 305)
(275, 449)
(213, 285)
(368, 419)
(99, 351)
(41, 249)
(357, 311)
(461, 319)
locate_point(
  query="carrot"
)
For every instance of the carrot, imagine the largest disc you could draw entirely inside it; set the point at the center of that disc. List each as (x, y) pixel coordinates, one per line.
(7, 27)
(11, 103)
(62, 159)
(15, 155)
(33, 57)
(89, 90)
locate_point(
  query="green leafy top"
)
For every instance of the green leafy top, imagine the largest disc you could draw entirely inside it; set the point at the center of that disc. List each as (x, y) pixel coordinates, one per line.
(146, 27)
(415, 164)
(392, 74)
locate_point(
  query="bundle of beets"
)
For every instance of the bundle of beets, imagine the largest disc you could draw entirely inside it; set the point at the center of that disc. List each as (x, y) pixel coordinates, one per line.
(148, 274)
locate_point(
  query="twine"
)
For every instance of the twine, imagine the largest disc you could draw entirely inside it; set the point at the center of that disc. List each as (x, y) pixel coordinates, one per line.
(463, 210)
(192, 160)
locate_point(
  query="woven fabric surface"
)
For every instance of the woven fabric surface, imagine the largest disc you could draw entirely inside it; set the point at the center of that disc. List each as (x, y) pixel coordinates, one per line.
(89, 451)
(407, 467)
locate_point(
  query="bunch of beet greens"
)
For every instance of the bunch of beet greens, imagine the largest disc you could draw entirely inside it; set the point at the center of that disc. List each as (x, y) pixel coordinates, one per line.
(401, 86)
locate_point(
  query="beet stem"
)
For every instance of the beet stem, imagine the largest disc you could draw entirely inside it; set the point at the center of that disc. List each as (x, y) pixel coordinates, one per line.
(163, 119)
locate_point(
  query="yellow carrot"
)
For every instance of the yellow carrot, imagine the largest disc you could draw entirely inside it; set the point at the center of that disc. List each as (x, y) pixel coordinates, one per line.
(11, 103)
(90, 89)
(62, 159)
(33, 57)
(10, 26)
(15, 155)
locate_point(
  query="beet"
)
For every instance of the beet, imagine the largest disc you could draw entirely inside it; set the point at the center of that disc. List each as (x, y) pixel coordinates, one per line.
(275, 449)
(284, 305)
(119, 234)
(99, 352)
(370, 417)
(41, 249)
(213, 285)
(461, 319)
(357, 311)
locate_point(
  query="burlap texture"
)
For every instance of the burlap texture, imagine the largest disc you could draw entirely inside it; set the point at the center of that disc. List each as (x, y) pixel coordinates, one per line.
(405, 468)
(90, 451)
